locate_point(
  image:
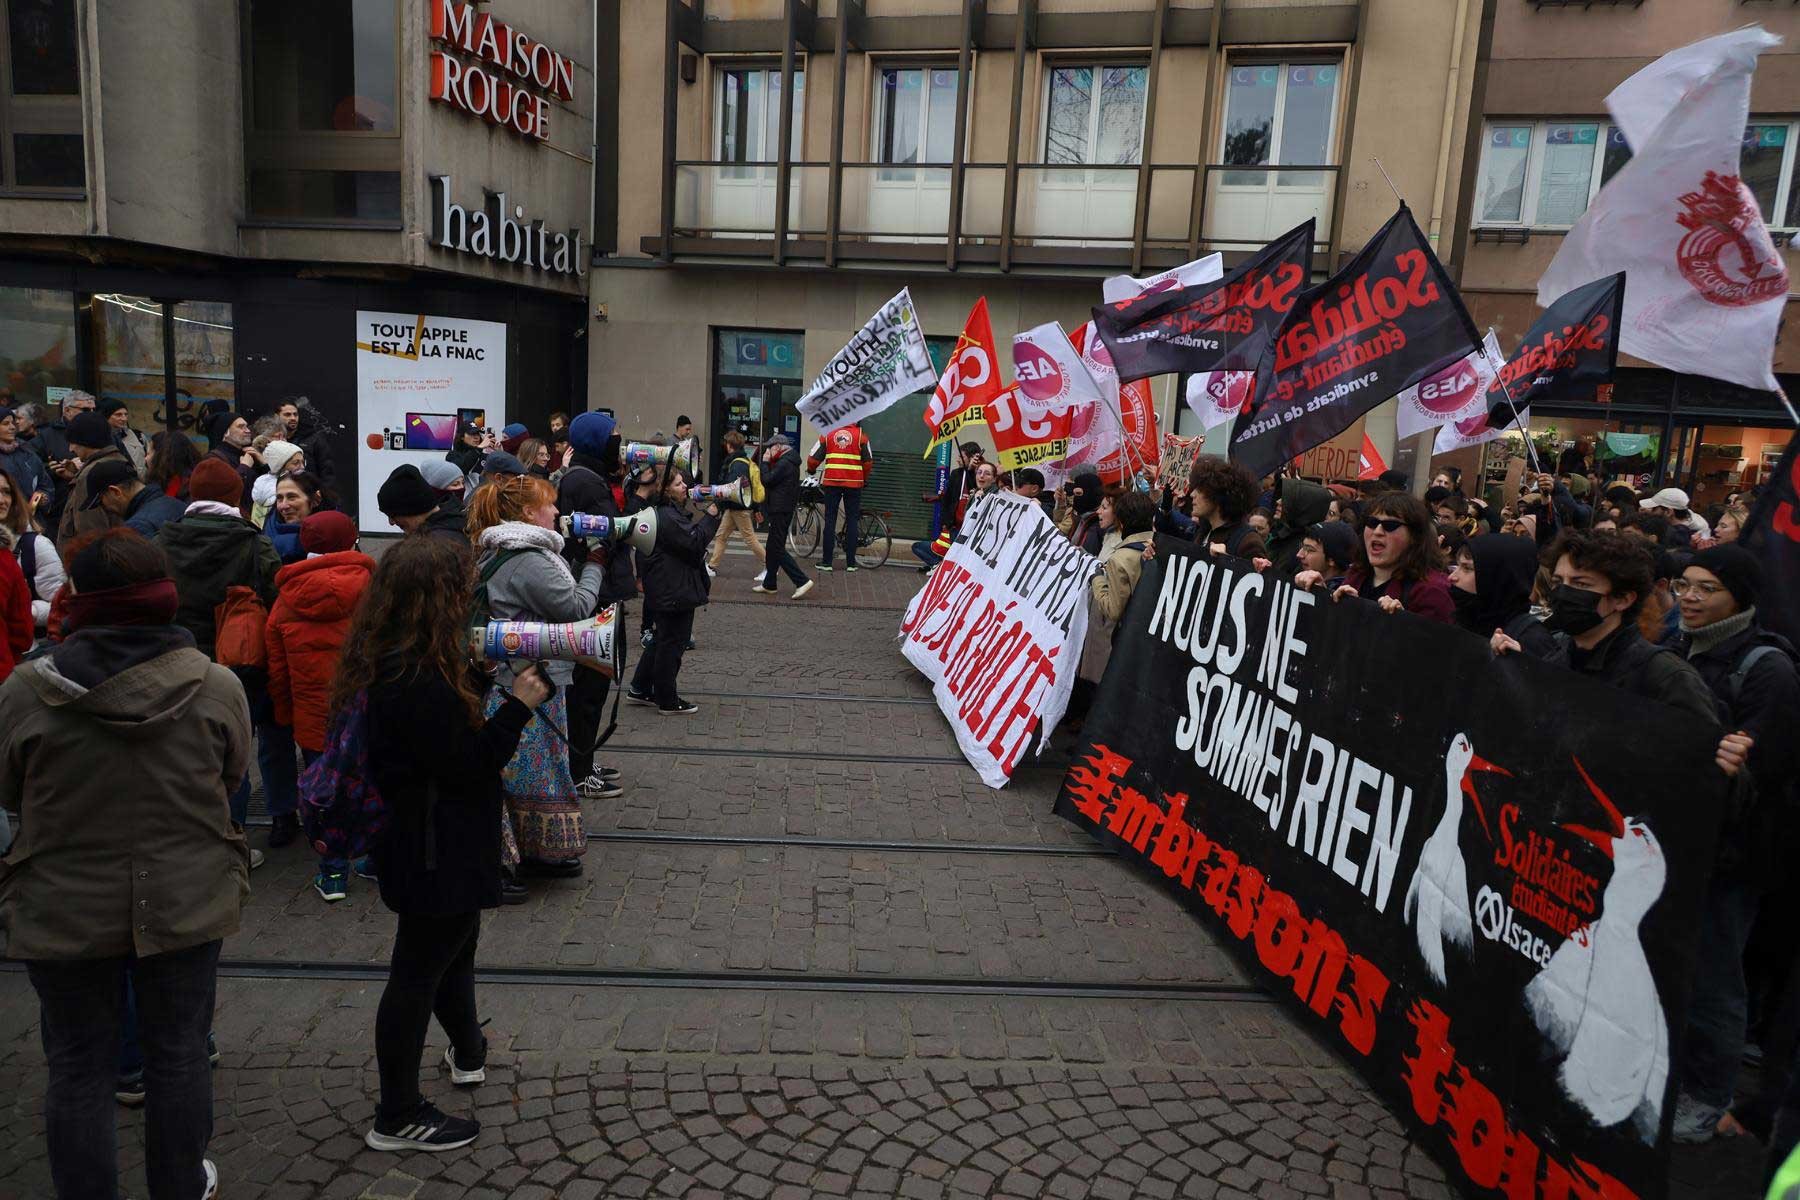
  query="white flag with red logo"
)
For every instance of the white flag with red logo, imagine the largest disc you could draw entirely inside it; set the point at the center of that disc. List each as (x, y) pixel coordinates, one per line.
(1217, 397)
(1117, 437)
(1201, 270)
(1456, 393)
(1707, 285)
(971, 379)
(1032, 423)
(1469, 431)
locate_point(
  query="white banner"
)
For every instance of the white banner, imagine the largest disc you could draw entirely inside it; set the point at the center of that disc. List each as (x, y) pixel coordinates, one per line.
(1472, 431)
(1201, 270)
(417, 378)
(1707, 285)
(1456, 393)
(886, 360)
(1217, 397)
(998, 630)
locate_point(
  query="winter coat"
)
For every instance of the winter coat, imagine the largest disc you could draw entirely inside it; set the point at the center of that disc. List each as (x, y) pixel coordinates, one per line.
(737, 467)
(1108, 594)
(123, 748)
(463, 457)
(314, 441)
(45, 577)
(1303, 505)
(440, 779)
(284, 536)
(150, 510)
(584, 488)
(781, 484)
(28, 470)
(135, 446)
(537, 585)
(448, 521)
(77, 519)
(674, 573)
(1240, 540)
(209, 552)
(20, 631)
(307, 626)
(1428, 597)
(1626, 661)
(1505, 570)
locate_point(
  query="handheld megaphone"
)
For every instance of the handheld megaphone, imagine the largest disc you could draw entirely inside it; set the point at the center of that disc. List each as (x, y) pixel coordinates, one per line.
(639, 529)
(647, 454)
(592, 643)
(719, 493)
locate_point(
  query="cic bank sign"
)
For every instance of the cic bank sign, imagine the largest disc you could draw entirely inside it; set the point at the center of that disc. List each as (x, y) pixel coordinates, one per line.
(510, 77)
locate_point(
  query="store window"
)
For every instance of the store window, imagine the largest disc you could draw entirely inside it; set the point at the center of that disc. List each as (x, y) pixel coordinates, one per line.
(323, 139)
(41, 150)
(37, 345)
(1094, 114)
(127, 333)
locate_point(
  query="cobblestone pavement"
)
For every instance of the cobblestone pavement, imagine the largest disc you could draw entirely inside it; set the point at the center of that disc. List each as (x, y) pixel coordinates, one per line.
(774, 1017)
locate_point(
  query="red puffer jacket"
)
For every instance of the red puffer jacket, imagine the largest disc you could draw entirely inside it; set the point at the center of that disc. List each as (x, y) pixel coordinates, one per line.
(15, 614)
(306, 632)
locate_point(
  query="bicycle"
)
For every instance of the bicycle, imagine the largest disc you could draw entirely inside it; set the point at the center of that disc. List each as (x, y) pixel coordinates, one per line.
(874, 541)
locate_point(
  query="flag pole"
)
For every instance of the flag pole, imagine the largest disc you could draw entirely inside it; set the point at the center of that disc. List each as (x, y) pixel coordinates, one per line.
(1390, 180)
(1519, 422)
(1787, 404)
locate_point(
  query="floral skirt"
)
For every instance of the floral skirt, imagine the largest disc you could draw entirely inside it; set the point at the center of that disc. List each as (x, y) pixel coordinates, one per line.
(543, 810)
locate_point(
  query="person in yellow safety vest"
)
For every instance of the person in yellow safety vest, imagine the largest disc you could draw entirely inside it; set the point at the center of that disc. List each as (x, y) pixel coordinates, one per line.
(844, 456)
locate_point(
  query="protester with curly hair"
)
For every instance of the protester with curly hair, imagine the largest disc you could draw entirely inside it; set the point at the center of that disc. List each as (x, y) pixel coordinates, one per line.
(1224, 493)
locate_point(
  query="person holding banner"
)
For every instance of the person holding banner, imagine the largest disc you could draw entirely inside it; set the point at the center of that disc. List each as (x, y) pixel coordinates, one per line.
(1223, 494)
(1398, 563)
(513, 523)
(1491, 577)
(675, 585)
(1078, 511)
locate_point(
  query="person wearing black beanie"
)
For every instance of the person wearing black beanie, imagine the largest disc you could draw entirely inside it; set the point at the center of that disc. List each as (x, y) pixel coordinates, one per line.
(406, 499)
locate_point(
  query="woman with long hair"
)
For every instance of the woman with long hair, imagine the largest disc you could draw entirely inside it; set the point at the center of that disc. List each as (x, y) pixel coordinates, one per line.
(1398, 562)
(512, 523)
(173, 457)
(35, 553)
(437, 763)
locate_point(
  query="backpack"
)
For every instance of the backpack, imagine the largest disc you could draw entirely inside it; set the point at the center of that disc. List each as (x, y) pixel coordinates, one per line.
(756, 484)
(1734, 682)
(239, 622)
(481, 609)
(344, 815)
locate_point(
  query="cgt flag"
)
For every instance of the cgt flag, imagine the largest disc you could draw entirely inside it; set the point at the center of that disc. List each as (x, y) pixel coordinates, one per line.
(1773, 535)
(971, 379)
(1572, 348)
(886, 360)
(1225, 325)
(1388, 320)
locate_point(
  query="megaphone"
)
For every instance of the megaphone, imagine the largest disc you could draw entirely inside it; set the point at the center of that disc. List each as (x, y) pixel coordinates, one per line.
(647, 454)
(592, 643)
(719, 493)
(639, 529)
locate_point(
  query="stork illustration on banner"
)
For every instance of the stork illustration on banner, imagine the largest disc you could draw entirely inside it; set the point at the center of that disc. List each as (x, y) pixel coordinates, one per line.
(1597, 1001)
(1437, 900)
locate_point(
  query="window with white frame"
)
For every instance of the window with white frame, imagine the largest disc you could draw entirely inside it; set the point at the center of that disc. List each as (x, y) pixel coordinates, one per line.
(915, 116)
(747, 113)
(1543, 174)
(1278, 114)
(1094, 114)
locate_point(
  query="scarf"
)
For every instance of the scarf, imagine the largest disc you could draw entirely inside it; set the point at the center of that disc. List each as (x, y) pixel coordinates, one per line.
(1707, 636)
(211, 508)
(149, 603)
(521, 535)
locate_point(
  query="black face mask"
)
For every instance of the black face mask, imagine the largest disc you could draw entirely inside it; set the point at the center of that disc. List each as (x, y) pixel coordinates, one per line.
(1573, 610)
(1465, 602)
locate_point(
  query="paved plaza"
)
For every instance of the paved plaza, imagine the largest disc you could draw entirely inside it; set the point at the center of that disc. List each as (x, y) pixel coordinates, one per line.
(811, 955)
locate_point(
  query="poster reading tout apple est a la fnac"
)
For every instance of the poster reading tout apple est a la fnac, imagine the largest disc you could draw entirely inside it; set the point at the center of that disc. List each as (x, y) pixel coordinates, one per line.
(417, 378)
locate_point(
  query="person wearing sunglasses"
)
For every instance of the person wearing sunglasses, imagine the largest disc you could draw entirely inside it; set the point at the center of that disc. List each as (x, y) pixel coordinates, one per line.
(1399, 564)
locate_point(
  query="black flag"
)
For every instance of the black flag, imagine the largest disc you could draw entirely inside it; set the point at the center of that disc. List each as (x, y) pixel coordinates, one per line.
(1390, 318)
(1575, 344)
(1773, 535)
(1226, 325)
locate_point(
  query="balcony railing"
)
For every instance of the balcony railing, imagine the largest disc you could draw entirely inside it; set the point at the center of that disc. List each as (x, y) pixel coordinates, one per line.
(1075, 215)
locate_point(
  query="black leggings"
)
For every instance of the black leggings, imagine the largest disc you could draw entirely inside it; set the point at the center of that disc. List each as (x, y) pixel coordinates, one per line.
(661, 663)
(432, 971)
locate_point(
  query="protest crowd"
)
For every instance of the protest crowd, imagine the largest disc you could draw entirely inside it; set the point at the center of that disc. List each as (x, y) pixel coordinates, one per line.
(183, 613)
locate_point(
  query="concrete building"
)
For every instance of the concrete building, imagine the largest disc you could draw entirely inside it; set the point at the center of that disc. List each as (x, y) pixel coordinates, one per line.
(966, 149)
(198, 198)
(1545, 147)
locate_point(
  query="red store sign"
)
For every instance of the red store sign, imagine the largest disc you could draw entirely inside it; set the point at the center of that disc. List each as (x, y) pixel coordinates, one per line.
(501, 95)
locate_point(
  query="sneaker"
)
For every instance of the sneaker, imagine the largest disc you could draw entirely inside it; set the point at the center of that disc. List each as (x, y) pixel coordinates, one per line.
(130, 1089)
(632, 695)
(690, 644)
(681, 708)
(825, 567)
(598, 787)
(212, 1179)
(803, 589)
(710, 573)
(256, 858)
(283, 830)
(212, 1050)
(608, 773)
(365, 867)
(550, 868)
(1695, 1122)
(512, 891)
(760, 590)
(332, 886)
(466, 1076)
(850, 569)
(427, 1129)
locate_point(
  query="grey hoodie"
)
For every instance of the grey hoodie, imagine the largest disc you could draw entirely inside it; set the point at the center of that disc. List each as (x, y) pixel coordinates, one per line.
(537, 585)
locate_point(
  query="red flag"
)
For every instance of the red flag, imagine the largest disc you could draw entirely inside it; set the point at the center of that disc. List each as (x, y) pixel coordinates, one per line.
(1372, 466)
(971, 380)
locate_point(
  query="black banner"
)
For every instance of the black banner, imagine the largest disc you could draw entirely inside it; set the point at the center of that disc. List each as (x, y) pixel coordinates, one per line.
(1475, 885)
(1773, 535)
(1227, 325)
(1572, 347)
(1386, 321)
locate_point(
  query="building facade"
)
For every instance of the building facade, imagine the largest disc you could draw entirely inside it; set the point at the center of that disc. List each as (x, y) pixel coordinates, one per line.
(236, 201)
(1544, 148)
(784, 167)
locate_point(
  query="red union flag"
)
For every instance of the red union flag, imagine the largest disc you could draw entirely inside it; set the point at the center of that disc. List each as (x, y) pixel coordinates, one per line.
(971, 379)
(1708, 286)
(1033, 422)
(1116, 438)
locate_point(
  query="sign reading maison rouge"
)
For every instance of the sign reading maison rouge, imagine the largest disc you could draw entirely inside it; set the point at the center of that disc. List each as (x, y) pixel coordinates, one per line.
(523, 63)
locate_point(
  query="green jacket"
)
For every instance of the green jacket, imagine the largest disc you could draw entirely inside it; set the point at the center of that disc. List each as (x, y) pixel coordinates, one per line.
(208, 553)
